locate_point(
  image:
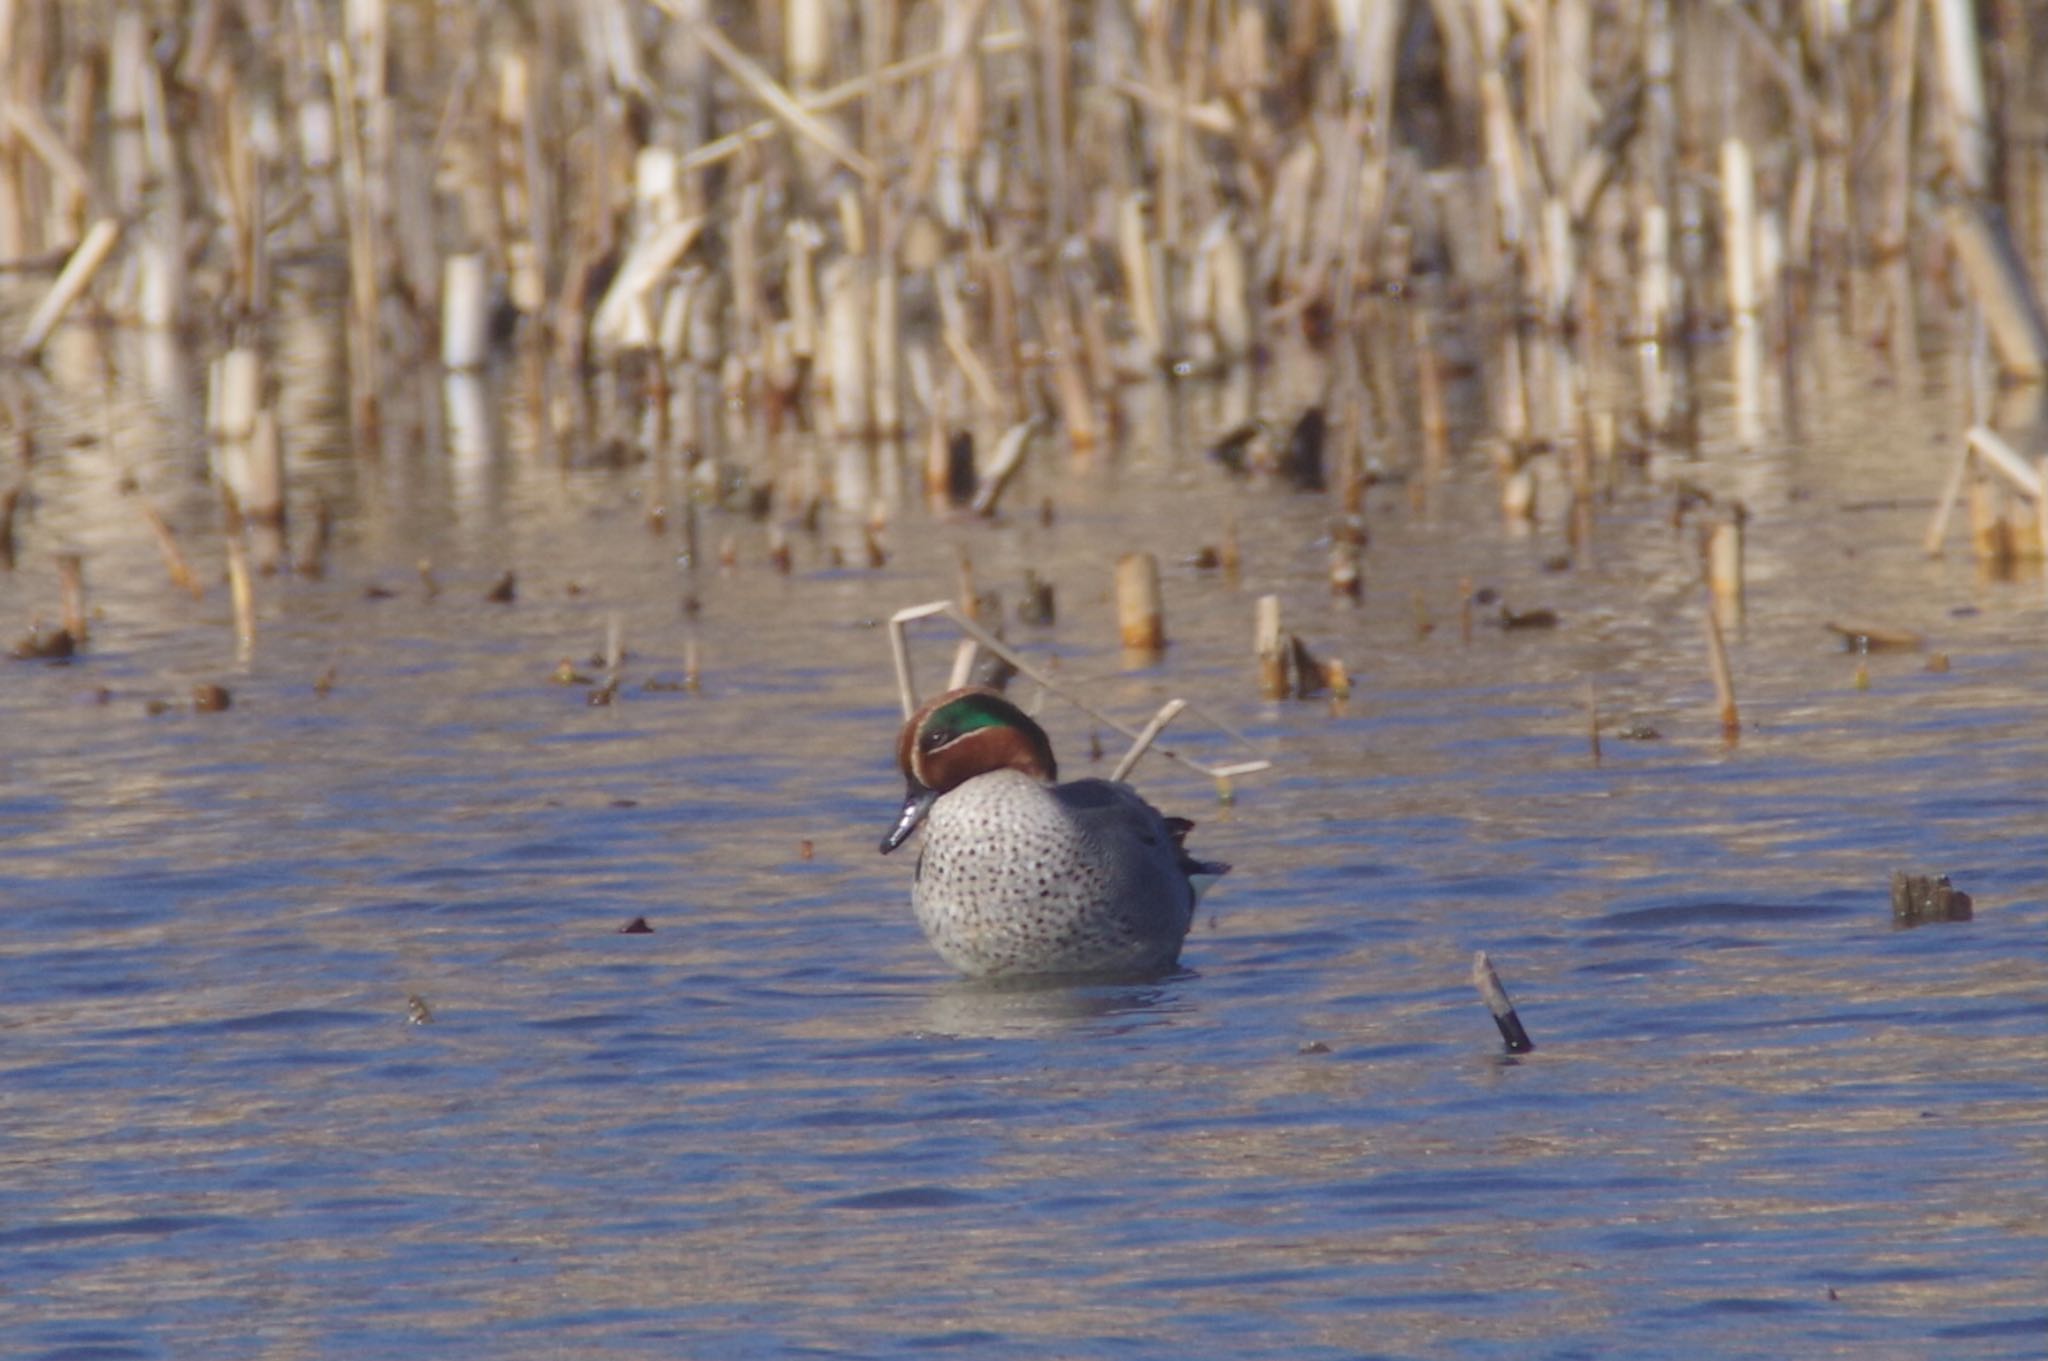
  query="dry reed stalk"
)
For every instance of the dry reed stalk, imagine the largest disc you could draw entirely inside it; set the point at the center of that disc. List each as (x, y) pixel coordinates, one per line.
(1724, 679)
(964, 657)
(1070, 388)
(1653, 275)
(363, 252)
(1738, 228)
(2001, 458)
(806, 42)
(465, 313)
(1560, 264)
(786, 108)
(1723, 551)
(1429, 390)
(1999, 283)
(849, 297)
(995, 269)
(1002, 466)
(10, 501)
(863, 87)
(241, 590)
(1990, 535)
(128, 69)
(885, 348)
(1518, 494)
(954, 331)
(2041, 512)
(1142, 296)
(1747, 351)
(233, 399)
(70, 183)
(1592, 720)
(265, 497)
(1329, 274)
(938, 461)
(1507, 159)
(71, 581)
(312, 559)
(1228, 296)
(1347, 576)
(1511, 391)
(1983, 450)
(624, 319)
(176, 564)
(1283, 244)
(1964, 123)
(1146, 737)
(1270, 646)
(79, 269)
(1141, 616)
(521, 178)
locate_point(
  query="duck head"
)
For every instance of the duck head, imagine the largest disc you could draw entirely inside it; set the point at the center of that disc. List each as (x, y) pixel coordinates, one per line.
(957, 736)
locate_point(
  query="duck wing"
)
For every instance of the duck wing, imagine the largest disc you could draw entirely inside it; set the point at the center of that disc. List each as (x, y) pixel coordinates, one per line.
(1118, 810)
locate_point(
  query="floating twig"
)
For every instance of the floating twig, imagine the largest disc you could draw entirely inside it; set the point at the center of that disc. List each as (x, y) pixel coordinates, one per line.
(1143, 742)
(1495, 995)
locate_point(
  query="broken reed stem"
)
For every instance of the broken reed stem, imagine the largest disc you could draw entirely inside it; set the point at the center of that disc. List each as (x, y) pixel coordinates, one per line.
(1502, 1007)
(176, 564)
(846, 92)
(77, 274)
(10, 501)
(312, 559)
(1002, 466)
(465, 313)
(1593, 720)
(1143, 742)
(1983, 451)
(749, 76)
(71, 581)
(1269, 644)
(1724, 679)
(1141, 618)
(1998, 278)
(243, 593)
(363, 252)
(1724, 571)
(241, 589)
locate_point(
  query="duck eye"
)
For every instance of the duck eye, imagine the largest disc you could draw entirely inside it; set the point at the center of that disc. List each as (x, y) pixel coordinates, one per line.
(932, 740)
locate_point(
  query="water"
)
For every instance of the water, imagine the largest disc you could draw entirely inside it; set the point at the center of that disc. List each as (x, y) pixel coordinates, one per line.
(1759, 1122)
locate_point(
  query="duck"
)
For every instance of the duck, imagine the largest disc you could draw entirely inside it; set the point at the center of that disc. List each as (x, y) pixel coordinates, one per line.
(1020, 875)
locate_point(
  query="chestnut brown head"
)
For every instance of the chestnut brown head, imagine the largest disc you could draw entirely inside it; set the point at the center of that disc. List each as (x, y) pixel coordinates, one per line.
(957, 736)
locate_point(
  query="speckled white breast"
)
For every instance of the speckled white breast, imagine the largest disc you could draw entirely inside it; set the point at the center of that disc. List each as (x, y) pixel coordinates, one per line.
(1018, 877)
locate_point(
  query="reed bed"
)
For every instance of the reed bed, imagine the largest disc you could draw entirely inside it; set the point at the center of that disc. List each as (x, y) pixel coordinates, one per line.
(693, 235)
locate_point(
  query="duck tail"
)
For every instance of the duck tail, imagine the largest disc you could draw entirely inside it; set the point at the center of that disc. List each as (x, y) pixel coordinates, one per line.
(1200, 873)
(1203, 874)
